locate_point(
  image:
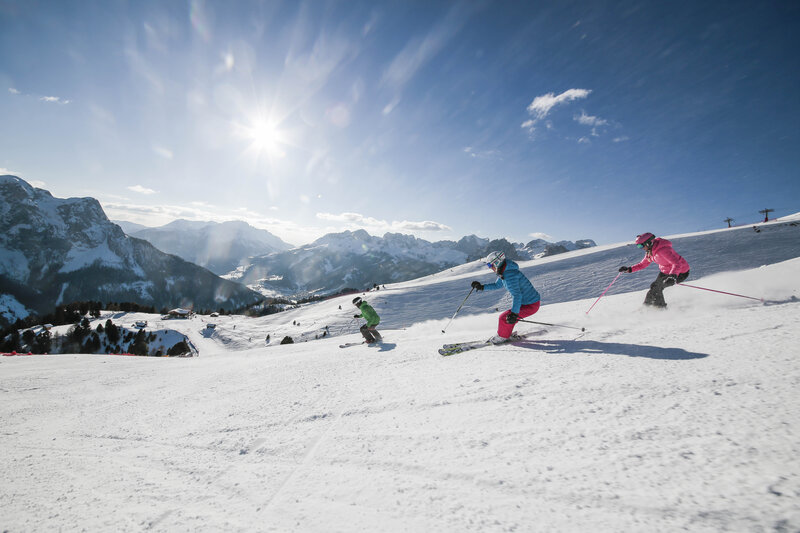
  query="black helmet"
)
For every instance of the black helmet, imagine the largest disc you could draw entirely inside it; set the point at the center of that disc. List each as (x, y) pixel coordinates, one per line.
(357, 301)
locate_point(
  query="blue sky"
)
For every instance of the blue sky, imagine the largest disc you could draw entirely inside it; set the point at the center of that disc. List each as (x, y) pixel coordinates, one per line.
(507, 119)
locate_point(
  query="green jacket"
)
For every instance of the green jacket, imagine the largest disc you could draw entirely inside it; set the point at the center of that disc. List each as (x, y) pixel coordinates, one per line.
(369, 314)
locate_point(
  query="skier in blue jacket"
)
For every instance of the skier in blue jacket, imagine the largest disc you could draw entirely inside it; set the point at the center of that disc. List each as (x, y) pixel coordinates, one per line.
(525, 296)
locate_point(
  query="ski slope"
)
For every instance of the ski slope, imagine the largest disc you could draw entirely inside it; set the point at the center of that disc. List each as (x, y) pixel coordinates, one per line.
(684, 419)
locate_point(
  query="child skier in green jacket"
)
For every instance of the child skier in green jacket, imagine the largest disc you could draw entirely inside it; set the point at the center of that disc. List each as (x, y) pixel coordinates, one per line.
(368, 330)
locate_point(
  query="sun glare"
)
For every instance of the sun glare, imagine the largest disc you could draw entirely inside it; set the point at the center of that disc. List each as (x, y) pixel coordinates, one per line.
(265, 138)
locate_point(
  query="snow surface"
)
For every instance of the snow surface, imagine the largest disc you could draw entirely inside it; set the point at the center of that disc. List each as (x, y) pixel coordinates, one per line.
(80, 257)
(11, 309)
(685, 419)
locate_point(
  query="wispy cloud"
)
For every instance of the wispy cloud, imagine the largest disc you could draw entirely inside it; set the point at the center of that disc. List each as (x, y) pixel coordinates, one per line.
(163, 152)
(351, 218)
(54, 99)
(141, 190)
(596, 124)
(47, 99)
(420, 50)
(588, 120)
(199, 17)
(482, 154)
(541, 106)
(358, 220)
(539, 235)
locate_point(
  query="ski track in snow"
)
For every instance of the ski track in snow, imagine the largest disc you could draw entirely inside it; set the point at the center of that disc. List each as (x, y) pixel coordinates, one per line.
(676, 420)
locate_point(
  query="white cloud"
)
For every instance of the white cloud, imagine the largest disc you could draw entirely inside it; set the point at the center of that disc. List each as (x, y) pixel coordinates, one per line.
(351, 218)
(542, 105)
(425, 225)
(13, 90)
(141, 190)
(53, 99)
(588, 120)
(543, 236)
(356, 219)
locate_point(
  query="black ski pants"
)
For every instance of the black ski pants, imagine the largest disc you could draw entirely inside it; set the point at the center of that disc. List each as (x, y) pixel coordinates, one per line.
(655, 296)
(370, 334)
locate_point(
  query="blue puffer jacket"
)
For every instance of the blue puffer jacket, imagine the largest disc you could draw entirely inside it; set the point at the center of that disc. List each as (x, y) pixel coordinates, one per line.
(517, 284)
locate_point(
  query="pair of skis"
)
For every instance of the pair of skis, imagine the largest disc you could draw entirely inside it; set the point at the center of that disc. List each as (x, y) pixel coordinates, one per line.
(458, 347)
(348, 344)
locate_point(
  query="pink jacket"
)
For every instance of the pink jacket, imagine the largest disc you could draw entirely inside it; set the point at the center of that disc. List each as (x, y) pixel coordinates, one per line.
(667, 259)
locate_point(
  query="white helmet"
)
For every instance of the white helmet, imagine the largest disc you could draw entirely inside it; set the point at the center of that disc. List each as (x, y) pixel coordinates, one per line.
(495, 259)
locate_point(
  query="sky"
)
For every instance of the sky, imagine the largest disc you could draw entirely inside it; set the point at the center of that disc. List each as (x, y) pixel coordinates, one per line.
(553, 119)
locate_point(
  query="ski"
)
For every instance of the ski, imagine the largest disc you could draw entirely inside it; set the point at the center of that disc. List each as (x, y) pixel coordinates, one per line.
(452, 349)
(348, 344)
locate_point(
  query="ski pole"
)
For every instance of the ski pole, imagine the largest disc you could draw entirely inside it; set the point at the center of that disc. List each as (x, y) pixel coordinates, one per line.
(722, 292)
(459, 309)
(347, 326)
(546, 324)
(604, 292)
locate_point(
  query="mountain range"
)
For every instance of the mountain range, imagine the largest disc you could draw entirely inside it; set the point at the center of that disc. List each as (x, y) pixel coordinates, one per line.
(355, 259)
(55, 250)
(63, 250)
(219, 247)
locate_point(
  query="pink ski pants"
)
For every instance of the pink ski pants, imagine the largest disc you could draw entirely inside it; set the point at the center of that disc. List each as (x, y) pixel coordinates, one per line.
(504, 329)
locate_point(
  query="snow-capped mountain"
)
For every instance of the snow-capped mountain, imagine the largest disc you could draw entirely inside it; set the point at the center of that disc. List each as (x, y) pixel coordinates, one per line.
(541, 248)
(55, 250)
(355, 259)
(219, 247)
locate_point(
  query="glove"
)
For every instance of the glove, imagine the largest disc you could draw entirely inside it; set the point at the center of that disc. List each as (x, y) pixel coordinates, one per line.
(477, 285)
(512, 317)
(670, 280)
(356, 316)
(625, 269)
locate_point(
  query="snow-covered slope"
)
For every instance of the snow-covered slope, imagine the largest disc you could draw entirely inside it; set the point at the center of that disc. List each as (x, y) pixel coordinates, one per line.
(681, 420)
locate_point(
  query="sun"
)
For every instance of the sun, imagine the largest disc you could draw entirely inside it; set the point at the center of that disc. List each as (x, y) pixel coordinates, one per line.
(265, 138)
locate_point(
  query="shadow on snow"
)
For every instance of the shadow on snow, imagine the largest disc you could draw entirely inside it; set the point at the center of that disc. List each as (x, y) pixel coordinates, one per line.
(598, 348)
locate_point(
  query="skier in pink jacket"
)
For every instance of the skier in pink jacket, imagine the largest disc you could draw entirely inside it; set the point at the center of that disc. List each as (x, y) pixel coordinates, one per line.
(673, 268)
